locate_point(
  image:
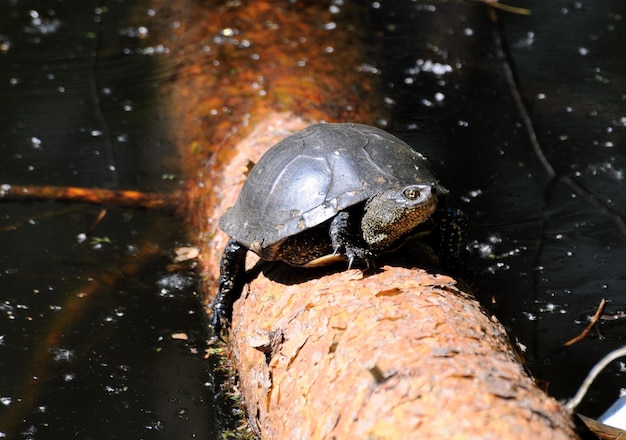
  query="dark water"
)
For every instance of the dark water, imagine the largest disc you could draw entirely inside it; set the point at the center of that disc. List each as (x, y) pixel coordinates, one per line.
(86, 321)
(88, 309)
(548, 213)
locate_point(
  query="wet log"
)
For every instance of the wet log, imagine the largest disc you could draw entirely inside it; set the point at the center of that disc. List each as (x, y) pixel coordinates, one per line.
(396, 354)
(401, 353)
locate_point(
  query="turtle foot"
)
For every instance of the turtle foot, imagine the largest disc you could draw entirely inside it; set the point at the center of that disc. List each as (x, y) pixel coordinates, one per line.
(450, 236)
(232, 271)
(346, 240)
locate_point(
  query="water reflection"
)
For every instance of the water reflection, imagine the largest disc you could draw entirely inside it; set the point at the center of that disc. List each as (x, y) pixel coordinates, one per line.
(91, 320)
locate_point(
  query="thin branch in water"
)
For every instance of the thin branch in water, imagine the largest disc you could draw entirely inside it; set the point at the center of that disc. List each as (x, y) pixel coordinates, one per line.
(571, 404)
(38, 369)
(512, 9)
(594, 321)
(175, 201)
(603, 207)
(515, 88)
(103, 212)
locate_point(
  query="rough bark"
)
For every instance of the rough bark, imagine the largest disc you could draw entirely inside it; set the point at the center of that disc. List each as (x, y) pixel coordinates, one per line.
(398, 354)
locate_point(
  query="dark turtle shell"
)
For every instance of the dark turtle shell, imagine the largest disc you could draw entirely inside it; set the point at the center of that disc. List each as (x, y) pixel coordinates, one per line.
(310, 176)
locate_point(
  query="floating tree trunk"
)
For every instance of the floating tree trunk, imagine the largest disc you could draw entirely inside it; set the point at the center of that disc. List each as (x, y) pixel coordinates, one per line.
(402, 353)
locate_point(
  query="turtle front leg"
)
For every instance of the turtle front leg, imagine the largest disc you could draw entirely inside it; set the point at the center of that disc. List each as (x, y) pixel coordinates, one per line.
(346, 238)
(231, 281)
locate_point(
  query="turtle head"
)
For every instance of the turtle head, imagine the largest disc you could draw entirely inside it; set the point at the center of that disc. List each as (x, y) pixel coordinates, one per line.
(390, 215)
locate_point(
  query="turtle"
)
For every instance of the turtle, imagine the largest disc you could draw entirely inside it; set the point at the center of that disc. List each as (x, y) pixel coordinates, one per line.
(333, 191)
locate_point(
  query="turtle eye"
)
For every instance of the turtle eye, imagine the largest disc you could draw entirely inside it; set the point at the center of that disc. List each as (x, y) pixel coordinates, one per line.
(411, 193)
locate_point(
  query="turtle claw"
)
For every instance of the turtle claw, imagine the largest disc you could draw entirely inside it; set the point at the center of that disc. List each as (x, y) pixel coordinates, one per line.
(346, 240)
(336, 250)
(350, 261)
(358, 254)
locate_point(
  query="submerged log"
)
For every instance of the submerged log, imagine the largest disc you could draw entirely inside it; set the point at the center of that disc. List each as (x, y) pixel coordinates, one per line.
(402, 353)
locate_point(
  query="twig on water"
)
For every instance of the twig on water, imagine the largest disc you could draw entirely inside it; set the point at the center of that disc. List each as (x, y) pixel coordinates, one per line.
(592, 323)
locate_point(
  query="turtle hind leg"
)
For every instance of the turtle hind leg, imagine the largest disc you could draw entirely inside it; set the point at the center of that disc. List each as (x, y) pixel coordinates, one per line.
(346, 238)
(450, 240)
(231, 281)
